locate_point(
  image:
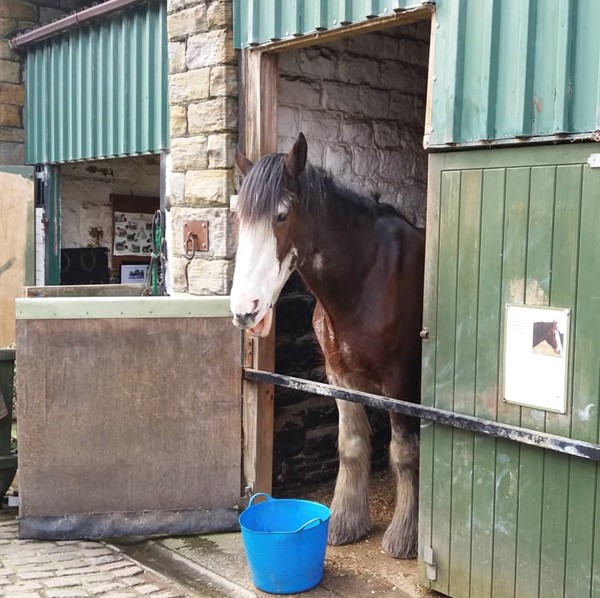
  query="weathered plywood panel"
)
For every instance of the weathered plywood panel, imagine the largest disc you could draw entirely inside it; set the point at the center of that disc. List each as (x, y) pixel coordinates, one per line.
(16, 245)
(128, 415)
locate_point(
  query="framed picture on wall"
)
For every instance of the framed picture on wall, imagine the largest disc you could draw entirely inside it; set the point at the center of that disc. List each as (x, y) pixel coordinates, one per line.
(134, 273)
(132, 233)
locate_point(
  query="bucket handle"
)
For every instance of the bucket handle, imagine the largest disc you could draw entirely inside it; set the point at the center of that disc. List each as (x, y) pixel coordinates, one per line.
(258, 495)
(309, 522)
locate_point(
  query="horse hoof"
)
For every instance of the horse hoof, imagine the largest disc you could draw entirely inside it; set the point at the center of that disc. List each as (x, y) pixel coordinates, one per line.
(341, 532)
(399, 548)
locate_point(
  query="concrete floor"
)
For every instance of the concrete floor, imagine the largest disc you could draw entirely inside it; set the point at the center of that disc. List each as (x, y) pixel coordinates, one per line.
(214, 565)
(217, 562)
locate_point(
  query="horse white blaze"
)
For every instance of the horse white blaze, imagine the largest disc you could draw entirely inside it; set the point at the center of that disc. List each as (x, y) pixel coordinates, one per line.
(559, 347)
(258, 278)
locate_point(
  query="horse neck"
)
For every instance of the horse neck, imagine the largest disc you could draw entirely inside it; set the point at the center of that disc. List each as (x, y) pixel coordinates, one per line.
(336, 250)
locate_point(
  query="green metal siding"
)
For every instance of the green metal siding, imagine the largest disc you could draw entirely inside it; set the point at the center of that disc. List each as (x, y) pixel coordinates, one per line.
(101, 90)
(507, 69)
(263, 21)
(503, 519)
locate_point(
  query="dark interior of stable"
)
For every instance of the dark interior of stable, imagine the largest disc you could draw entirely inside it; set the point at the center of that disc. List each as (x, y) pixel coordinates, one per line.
(360, 101)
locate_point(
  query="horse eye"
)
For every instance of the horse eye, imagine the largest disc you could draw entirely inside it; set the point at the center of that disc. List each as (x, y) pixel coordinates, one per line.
(281, 217)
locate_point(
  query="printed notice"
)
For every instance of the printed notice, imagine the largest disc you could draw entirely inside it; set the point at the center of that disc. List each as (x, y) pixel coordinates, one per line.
(133, 234)
(536, 349)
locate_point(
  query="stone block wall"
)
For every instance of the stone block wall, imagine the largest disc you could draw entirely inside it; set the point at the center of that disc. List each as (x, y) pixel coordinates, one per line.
(360, 101)
(203, 97)
(18, 15)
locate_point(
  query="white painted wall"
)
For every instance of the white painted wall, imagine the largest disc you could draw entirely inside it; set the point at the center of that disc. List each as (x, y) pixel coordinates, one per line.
(360, 102)
(86, 190)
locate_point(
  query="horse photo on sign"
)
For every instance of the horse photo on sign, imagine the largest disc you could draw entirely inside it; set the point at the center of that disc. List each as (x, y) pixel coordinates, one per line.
(536, 343)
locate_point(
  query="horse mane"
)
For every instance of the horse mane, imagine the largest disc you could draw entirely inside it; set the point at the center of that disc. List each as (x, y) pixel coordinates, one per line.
(263, 189)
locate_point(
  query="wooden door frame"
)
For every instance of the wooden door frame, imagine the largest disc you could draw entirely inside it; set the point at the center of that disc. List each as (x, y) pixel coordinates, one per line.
(258, 136)
(258, 77)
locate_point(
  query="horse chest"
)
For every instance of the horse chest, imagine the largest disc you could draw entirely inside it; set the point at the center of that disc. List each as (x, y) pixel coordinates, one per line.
(347, 358)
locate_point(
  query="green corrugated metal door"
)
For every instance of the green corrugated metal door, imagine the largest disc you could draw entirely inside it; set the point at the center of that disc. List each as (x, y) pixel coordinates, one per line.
(506, 69)
(101, 90)
(503, 519)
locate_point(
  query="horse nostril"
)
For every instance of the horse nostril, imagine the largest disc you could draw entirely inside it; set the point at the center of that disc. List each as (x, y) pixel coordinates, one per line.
(256, 305)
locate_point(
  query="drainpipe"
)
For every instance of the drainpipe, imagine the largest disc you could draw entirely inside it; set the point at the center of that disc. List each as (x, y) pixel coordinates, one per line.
(70, 22)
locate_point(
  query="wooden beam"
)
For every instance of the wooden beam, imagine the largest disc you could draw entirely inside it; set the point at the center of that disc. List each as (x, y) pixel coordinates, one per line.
(260, 102)
(430, 72)
(259, 122)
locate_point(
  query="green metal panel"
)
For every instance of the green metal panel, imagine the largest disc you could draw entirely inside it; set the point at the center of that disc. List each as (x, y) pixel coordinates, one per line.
(510, 225)
(507, 69)
(101, 90)
(262, 21)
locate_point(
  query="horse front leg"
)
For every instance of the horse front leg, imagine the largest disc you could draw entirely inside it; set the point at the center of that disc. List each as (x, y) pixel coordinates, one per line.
(400, 538)
(350, 520)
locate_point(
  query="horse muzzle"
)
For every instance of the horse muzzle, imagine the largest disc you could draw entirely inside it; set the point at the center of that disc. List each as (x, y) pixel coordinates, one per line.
(244, 321)
(257, 326)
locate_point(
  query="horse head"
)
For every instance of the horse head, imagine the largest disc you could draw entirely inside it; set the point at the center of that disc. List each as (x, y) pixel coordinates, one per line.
(266, 255)
(554, 338)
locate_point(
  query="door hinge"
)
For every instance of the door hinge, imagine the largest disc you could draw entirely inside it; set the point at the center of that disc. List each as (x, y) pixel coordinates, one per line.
(428, 560)
(42, 175)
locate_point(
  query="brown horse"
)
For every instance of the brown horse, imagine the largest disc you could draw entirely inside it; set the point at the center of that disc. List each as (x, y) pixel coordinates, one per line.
(548, 331)
(364, 263)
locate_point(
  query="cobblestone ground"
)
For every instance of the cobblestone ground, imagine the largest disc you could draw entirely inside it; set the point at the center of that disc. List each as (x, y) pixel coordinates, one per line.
(73, 569)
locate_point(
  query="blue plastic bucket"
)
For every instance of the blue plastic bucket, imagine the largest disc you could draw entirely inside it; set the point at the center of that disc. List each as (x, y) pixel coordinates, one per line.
(285, 542)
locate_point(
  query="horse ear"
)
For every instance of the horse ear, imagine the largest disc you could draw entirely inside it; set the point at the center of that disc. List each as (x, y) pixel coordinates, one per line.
(244, 165)
(295, 161)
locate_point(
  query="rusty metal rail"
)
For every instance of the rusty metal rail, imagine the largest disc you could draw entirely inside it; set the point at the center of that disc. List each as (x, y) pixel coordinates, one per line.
(569, 446)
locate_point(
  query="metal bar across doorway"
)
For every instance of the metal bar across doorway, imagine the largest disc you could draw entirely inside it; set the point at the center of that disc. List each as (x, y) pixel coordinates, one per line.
(577, 448)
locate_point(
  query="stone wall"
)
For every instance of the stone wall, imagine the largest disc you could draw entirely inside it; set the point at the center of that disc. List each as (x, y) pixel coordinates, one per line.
(203, 98)
(360, 102)
(16, 15)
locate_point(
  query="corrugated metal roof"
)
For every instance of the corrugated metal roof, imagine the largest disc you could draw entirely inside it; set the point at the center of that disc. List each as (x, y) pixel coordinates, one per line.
(100, 91)
(514, 69)
(263, 21)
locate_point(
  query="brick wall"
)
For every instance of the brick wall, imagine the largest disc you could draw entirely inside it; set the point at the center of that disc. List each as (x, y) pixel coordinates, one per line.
(17, 15)
(203, 98)
(361, 103)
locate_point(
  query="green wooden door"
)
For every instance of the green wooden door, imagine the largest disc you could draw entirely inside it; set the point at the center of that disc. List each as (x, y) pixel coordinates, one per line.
(503, 519)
